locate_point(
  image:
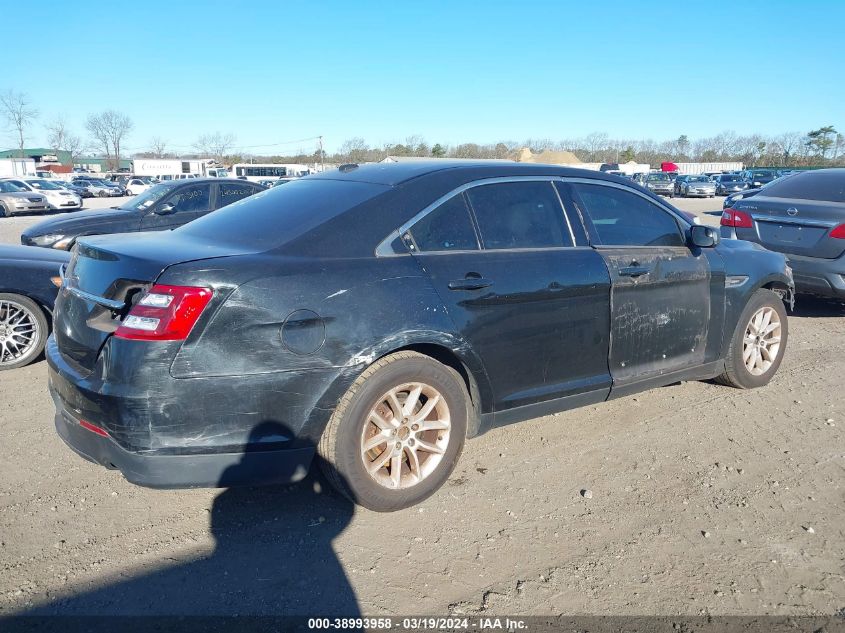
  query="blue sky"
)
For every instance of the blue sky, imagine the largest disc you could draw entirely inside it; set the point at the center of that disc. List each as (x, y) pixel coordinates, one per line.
(450, 71)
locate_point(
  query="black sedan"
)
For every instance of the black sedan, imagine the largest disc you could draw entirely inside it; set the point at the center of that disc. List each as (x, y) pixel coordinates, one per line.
(162, 207)
(29, 281)
(802, 215)
(381, 314)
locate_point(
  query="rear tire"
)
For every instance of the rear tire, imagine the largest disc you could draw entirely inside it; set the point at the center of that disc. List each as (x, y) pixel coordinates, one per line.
(23, 331)
(384, 459)
(4, 212)
(754, 355)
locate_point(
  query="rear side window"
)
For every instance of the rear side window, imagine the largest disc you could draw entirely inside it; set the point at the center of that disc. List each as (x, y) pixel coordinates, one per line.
(623, 218)
(519, 215)
(274, 216)
(232, 192)
(446, 228)
(824, 186)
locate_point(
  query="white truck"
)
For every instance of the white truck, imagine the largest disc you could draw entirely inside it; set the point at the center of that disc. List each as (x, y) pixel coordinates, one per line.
(172, 169)
(17, 167)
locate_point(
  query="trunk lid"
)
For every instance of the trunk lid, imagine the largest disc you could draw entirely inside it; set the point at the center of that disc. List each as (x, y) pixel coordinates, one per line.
(792, 226)
(104, 275)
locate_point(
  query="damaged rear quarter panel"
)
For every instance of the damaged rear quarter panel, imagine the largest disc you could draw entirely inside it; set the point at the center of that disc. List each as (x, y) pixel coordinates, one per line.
(366, 307)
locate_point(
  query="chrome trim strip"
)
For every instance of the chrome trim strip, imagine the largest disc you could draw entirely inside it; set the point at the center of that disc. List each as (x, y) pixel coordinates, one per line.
(106, 303)
(806, 222)
(383, 249)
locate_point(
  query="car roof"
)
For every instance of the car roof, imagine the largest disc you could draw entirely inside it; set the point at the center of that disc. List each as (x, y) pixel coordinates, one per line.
(392, 174)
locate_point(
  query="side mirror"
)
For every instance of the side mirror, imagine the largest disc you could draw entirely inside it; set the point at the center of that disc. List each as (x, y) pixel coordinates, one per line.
(165, 209)
(704, 236)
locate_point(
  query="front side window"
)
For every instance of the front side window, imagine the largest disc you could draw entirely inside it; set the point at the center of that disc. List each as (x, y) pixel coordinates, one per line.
(519, 215)
(191, 199)
(623, 218)
(232, 192)
(446, 228)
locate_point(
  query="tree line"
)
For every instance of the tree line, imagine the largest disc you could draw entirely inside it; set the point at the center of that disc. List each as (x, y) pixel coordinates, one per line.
(108, 130)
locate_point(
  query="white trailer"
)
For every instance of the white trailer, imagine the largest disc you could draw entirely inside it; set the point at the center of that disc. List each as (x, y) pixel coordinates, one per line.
(17, 167)
(694, 169)
(172, 168)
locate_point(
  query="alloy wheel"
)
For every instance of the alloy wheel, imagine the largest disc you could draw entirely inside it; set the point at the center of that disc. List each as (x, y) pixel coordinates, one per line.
(19, 332)
(405, 435)
(761, 345)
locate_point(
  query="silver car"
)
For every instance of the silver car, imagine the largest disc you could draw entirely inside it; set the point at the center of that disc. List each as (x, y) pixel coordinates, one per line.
(696, 186)
(802, 216)
(14, 199)
(57, 197)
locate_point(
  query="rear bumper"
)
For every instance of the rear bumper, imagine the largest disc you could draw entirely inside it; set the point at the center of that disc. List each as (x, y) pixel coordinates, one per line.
(164, 432)
(209, 470)
(824, 277)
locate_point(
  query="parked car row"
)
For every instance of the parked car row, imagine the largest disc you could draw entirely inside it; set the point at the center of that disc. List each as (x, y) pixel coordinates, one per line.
(37, 194)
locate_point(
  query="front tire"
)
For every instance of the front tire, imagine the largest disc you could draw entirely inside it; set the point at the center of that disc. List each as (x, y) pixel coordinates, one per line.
(397, 433)
(758, 343)
(23, 331)
(4, 212)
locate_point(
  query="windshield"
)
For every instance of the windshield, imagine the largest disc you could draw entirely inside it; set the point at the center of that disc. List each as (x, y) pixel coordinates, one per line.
(658, 177)
(762, 174)
(148, 198)
(699, 179)
(43, 184)
(7, 187)
(728, 179)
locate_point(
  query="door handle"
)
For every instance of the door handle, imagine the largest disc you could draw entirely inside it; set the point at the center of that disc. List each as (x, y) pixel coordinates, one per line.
(634, 271)
(470, 282)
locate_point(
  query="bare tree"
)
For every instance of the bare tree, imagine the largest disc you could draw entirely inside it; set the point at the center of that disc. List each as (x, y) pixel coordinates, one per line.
(217, 144)
(61, 138)
(19, 113)
(108, 130)
(354, 150)
(158, 146)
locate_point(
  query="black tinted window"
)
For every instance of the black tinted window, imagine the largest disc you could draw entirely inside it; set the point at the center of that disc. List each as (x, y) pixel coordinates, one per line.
(446, 228)
(519, 215)
(282, 213)
(232, 192)
(623, 218)
(188, 199)
(826, 186)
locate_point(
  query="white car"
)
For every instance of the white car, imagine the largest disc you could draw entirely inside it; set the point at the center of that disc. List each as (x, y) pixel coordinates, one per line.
(134, 186)
(57, 197)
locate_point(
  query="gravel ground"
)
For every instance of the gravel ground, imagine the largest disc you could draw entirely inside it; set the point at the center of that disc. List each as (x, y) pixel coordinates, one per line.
(704, 500)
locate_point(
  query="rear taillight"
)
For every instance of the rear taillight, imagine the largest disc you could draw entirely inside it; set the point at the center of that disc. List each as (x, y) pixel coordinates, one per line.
(737, 219)
(164, 313)
(838, 232)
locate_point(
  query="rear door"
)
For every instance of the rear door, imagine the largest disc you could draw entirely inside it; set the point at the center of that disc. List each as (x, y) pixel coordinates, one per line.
(229, 192)
(660, 289)
(522, 288)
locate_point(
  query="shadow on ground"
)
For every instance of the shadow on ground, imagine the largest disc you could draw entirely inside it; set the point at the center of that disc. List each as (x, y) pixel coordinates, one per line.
(273, 555)
(811, 306)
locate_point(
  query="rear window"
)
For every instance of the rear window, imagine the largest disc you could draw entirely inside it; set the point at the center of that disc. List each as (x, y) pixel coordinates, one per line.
(826, 186)
(275, 216)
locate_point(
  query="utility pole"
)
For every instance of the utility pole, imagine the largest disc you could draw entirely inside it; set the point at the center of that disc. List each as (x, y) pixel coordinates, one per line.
(320, 145)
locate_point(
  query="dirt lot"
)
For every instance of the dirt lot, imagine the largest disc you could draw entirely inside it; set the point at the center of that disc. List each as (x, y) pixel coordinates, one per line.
(705, 499)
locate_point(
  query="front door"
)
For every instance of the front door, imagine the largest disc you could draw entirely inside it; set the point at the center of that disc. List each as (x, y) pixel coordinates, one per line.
(660, 288)
(178, 208)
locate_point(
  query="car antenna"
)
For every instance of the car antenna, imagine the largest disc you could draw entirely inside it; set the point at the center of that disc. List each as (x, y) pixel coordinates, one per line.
(346, 167)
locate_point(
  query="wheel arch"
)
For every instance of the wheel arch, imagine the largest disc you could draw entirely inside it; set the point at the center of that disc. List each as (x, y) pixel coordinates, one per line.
(444, 348)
